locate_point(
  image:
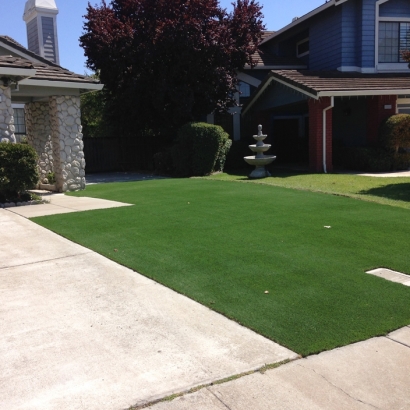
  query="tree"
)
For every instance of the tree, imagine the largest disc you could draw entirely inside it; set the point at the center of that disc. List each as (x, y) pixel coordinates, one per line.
(406, 56)
(167, 62)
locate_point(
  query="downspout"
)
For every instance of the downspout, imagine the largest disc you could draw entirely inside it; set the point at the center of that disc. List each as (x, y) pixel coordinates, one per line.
(332, 104)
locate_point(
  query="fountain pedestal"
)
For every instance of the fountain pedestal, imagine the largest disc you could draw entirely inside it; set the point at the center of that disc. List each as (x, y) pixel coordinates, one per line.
(260, 160)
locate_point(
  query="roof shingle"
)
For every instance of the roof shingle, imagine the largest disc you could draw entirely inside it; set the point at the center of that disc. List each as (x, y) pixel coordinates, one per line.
(46, 70)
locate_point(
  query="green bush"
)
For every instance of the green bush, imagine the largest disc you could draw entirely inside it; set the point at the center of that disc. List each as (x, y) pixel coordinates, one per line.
(200, 149)
(402, 161)
(368, 159)
(18, 170)
(395, 133)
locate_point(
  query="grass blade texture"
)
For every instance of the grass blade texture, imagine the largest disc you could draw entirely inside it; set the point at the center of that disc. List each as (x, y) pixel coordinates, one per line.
(224, 244)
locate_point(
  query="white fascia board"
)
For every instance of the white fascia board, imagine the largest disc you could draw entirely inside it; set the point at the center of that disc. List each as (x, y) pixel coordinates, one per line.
(277, 67)
(62, 84)
(268, 82)
(362, 93)
(18, 72)
(246, 78)
(294, 87)
(258, 94)
(303, 18)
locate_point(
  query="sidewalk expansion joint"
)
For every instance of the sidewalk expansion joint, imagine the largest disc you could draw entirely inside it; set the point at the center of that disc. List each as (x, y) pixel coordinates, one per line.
(339, 388)
(397, 341)
(171, 397)
(45, 260)
(213, 394)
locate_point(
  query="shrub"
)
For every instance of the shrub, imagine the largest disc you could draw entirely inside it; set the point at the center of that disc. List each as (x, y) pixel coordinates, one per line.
(200, 149)
(402, 161)
(365, 159)
(18, 169)
(395, 133)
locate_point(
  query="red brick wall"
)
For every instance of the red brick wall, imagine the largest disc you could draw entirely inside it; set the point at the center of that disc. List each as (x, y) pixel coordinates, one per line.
(316, 108)
(376, 113)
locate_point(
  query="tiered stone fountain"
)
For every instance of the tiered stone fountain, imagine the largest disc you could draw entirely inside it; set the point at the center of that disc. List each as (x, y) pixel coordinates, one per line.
(260, 160)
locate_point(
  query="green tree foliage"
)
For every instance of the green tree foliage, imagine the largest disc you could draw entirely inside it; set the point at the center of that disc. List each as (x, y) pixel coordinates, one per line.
(406, 56)
(18, 169)
(168, 62)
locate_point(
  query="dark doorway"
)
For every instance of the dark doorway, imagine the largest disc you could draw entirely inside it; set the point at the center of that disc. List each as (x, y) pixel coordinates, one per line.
(290, 142)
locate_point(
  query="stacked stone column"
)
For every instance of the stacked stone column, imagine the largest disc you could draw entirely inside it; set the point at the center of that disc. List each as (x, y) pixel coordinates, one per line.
(39, 136)
(6, 116)
(67, 139)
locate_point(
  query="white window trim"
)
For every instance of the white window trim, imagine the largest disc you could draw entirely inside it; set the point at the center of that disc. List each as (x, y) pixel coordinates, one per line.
(385, 66)
(297, 47)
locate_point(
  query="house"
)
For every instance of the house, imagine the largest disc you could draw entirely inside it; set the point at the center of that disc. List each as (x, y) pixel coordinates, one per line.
(330, 78)
(41, 99)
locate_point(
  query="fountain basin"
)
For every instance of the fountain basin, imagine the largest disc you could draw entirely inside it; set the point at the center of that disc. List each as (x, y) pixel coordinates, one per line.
(260, 171)
(259, 148)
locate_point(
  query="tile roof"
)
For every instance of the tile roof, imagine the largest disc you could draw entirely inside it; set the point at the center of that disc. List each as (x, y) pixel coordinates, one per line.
(15, 62)
(263, 57)
(319, 82)
(46, 70)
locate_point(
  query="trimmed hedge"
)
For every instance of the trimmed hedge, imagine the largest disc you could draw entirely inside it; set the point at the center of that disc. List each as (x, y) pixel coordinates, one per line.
(370, 159)
(200, 149)
(18, 170)
(395, 133)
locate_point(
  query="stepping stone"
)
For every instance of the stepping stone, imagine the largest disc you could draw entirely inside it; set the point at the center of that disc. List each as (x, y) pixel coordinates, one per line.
(391, 275)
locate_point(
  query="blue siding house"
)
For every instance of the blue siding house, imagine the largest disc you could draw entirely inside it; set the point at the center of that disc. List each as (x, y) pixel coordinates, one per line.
(330, 77)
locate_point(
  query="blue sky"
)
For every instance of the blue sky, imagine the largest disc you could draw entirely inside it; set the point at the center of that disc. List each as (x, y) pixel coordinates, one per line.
(278, 13)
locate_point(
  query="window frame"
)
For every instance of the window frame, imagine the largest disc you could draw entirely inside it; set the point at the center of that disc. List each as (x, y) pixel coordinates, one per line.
(299, 43)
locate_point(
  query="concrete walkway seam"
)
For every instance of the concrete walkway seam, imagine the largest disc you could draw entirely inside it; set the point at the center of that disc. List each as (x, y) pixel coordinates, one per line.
(173, 395)
(337, 387)
(45, 260)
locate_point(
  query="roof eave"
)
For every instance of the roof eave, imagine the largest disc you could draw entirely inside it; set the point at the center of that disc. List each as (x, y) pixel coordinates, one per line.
(358, 93)
(304, 18)
(63, 84)
(276, 67)
(17, 72)
(267, 82)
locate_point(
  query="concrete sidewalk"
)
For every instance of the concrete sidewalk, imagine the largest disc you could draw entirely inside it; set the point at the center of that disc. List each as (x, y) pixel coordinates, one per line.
(62, 204)
(79, 331)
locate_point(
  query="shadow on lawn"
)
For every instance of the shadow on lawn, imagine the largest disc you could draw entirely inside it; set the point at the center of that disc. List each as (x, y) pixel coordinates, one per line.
(398, 192)
(276, 172)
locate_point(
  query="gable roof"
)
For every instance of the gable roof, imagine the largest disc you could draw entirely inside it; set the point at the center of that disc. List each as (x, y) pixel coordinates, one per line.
(316, 84)
(298, 20)
(46, 73)
(10, 43)
(267, 60)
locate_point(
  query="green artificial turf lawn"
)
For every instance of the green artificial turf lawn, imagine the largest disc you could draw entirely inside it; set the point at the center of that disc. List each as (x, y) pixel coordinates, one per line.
(384, 190)
(224, 244)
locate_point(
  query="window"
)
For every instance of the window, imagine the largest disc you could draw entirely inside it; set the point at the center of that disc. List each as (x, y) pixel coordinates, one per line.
(19, 121)
(403, 105)
(302, 48)
(393, 38)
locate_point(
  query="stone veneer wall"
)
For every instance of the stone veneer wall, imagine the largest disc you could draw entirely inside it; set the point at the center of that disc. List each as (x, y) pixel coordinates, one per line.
(39, 135)
(67, 139)
(6, 116)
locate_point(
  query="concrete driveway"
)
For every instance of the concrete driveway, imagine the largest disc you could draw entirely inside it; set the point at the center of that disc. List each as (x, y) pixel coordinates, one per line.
(79, 331)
